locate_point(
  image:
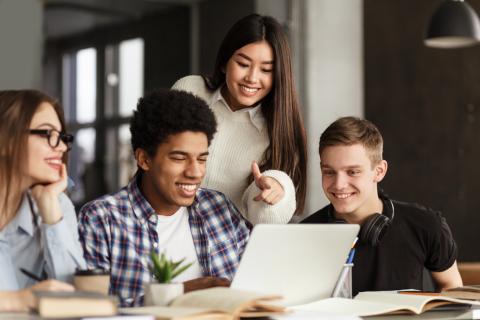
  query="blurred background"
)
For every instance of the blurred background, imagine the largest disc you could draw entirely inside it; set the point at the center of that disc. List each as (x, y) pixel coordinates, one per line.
(351, 57)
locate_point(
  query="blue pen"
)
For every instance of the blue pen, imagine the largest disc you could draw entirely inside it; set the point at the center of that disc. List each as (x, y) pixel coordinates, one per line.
(351, 255)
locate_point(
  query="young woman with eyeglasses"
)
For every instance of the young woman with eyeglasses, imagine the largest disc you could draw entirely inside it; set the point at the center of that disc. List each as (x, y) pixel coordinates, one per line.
(258, 156)
(38, 228)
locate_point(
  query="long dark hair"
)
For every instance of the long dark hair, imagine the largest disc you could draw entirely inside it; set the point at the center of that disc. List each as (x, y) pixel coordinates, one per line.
(287, 150)
(17, 108)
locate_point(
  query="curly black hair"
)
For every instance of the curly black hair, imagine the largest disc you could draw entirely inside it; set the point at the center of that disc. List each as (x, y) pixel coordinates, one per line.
(163, 112)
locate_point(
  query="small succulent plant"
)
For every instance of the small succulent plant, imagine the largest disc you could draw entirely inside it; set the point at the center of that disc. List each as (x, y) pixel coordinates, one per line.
(165, 270)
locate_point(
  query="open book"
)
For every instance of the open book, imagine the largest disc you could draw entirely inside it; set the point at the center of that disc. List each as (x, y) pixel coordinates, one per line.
(465, 292)
(214, 303)
(74, 304)
(376, 303)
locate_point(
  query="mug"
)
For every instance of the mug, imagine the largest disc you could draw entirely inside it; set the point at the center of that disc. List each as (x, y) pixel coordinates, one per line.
(94, 280)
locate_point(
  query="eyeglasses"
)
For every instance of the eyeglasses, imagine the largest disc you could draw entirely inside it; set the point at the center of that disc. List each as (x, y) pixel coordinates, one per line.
(54, 136)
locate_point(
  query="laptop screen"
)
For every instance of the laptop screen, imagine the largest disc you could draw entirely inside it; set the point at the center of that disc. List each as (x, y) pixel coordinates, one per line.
(302, 262)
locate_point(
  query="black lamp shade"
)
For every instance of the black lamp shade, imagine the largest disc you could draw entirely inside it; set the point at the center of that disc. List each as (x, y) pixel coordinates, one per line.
(453, 25)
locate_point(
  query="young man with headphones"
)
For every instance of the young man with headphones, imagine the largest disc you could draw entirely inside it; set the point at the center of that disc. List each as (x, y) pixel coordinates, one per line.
(397, 240)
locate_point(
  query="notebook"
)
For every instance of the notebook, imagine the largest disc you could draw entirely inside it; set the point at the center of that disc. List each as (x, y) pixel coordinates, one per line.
(301, 262)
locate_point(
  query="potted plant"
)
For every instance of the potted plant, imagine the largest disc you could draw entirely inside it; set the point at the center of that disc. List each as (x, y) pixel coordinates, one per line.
(162, 290)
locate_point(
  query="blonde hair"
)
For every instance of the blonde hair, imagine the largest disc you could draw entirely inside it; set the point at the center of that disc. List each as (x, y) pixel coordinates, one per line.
(351, 130)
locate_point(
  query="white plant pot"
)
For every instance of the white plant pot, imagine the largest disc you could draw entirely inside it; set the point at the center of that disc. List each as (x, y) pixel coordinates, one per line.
(161, 294)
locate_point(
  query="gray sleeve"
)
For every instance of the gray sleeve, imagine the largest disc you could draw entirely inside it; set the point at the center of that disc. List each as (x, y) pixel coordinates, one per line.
(62, 250)
(8, 280)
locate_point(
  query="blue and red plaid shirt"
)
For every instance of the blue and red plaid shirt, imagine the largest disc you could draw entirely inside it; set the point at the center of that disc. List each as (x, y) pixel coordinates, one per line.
(118, 232)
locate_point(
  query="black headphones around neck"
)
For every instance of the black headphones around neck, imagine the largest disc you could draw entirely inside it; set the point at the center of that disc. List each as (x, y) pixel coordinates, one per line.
(375, 226)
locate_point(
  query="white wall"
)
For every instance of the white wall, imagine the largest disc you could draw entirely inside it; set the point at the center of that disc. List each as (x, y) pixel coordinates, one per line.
(333, 75)
(21, 44)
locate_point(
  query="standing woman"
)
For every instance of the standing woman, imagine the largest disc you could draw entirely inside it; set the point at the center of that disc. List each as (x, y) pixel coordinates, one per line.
(38, 227)
(258, 156)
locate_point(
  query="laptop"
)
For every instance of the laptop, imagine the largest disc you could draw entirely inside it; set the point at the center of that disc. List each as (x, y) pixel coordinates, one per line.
(301, 262)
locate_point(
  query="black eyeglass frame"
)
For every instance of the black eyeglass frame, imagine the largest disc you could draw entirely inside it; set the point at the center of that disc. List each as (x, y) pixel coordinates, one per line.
(66, 138)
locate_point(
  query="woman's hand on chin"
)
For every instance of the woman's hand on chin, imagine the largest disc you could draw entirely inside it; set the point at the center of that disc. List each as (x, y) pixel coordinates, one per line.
(46, 197)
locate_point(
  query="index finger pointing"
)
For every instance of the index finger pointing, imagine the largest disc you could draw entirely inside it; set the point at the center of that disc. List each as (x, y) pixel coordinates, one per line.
(256, 171)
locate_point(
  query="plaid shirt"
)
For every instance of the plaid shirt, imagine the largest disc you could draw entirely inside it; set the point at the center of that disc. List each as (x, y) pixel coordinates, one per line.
(118, 231)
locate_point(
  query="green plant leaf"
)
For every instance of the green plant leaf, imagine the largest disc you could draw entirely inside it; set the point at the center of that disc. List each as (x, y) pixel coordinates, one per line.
(157, 266)
(176, 264)
(182, 269)
(164, 270)
(168, 273)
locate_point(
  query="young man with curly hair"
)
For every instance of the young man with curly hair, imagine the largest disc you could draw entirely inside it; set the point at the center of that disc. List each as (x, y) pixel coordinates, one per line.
(397, 240)
(163, 208)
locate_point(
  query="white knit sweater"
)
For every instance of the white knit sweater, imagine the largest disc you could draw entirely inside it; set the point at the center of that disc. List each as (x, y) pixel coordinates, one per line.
(241, 138)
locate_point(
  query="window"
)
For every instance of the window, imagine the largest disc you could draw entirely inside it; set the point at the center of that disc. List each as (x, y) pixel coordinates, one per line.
(86, 85)
(101, 160)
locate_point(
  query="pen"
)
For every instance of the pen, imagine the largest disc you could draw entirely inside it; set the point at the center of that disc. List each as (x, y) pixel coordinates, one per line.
(354, 242)
(420, 293)
(351, 255)
(30, 275)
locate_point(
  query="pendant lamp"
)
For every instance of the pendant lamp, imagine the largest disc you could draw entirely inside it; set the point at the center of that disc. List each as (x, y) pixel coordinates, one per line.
(453, 25)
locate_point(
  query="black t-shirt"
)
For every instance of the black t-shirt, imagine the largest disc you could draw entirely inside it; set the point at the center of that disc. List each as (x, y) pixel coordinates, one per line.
(417, 237)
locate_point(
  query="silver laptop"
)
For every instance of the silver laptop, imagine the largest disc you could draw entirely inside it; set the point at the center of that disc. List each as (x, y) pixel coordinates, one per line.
(301, 262)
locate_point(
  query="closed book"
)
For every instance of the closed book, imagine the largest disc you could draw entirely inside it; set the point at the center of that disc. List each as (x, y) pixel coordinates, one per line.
(74, 304)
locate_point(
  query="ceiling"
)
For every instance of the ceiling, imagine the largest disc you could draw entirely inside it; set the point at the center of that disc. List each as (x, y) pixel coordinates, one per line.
(64, 18)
